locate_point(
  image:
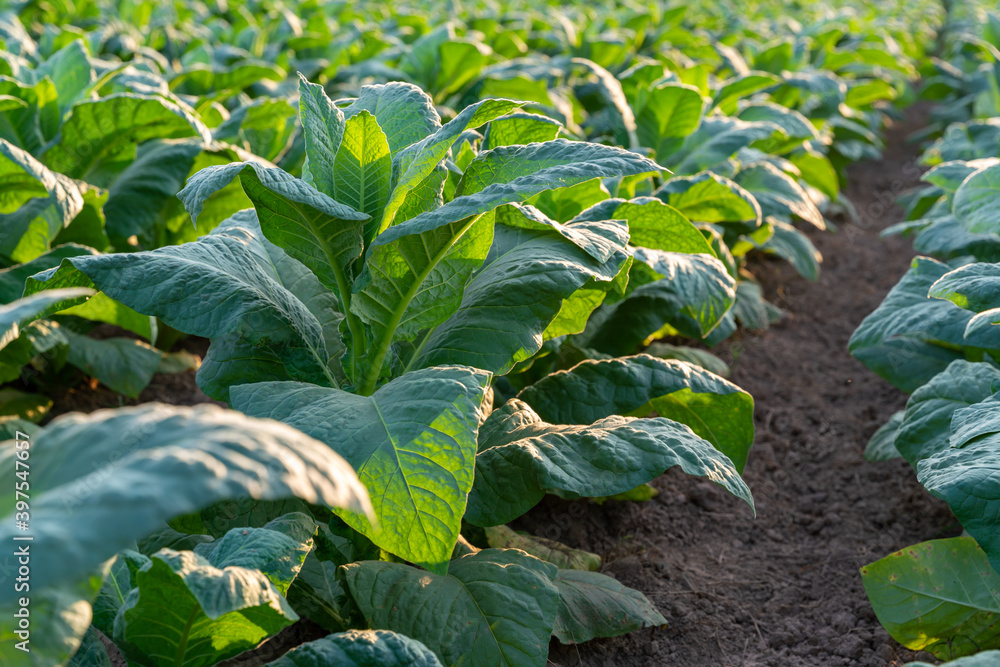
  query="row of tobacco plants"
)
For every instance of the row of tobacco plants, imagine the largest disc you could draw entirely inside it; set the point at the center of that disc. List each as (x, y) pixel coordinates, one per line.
(427, 257)
(934, 337)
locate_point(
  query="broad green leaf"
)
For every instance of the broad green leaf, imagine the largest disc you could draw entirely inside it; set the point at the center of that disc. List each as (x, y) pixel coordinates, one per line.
(422, 59)
(671, 112)
(205, 79)
(87, 228)
(939, 596)
(232, 359)
(16, 39)
(609, 90)
(100, 135)
(531, 270)
(109, 478)
(10, 103)
(882, 445)
(778, 194)
(521, 458)
(404, 112)
(715, 409)
(565, 204)
(969, 423)
(318, 590)
(974, 287)
(362, 175)
(265, 127)
(865, 93)
(70, 71)
(949, 176)
(691, 293)
(460, 60)
(277, 549)
(427, 196)
(318, 595)
(577, 310)
(143, 199)
(817, 171)
(795, 125)
(596, 605)
(557, 553)
(412, 443)
(22, 405)
(323, 129)
(125, 365)
(691, 355)
(707, 197)
(792, 245)
(360, 648)
(926, 426)
(518, 86)
(117, 584)
(320, 232)
(22, 126)
(59, 618)
(739, 87)
(9, 426)
(305, 286)
(22, 311)
(742, 239)
(716, 140)
(13, 279)
(35, 204)
(910, 338)
(100, 307)
(186, 612)
(92, 652)
(967, 476)
(977, 200)
(260, 318)
(968, 141)
(653, 224)
(534, 168)
(412, 165)
(496, 606)
(946, 239)
(218, 519)
(520, 128)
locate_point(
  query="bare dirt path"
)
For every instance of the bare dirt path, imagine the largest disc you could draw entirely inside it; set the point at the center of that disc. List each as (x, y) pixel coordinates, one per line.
(781, 589)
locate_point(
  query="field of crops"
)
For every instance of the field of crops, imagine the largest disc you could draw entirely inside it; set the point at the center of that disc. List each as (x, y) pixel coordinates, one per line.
(499, 333)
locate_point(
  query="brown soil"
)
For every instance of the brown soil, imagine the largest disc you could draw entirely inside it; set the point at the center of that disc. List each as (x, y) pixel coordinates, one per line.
(781, 589)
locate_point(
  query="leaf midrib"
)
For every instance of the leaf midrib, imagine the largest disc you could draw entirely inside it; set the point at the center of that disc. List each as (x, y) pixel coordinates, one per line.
(399, 468)
(367, 385)
(185, 633)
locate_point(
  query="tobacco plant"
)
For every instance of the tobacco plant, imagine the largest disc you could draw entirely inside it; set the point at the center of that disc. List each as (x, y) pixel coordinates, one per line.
(369, 306)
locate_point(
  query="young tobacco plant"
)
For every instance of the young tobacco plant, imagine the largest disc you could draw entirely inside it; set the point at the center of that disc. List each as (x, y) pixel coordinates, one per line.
(360, 307)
